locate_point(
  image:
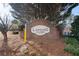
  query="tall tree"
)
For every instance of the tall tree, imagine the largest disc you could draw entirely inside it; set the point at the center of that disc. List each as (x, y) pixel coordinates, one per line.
(50, 11)
(75, 28)
(4, 28)
(36, 11)
(4, 23)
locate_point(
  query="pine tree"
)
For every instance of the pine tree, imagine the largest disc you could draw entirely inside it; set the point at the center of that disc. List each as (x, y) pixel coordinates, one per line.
(75, 28)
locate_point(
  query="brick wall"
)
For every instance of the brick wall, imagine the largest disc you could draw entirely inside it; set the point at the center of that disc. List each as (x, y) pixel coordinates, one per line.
(53, 34)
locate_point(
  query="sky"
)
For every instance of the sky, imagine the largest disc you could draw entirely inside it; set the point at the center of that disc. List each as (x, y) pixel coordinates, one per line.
(5, 10)
(75, 10)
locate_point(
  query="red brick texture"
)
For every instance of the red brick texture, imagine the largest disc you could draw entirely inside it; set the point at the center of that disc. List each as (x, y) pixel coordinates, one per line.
(54, 32)
(51, 42)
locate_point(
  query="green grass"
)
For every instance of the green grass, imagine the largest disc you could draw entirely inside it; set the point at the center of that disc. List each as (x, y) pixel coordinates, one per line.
(72, 46)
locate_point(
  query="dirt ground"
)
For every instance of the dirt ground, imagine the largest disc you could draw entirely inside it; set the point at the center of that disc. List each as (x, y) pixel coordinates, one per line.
(13, 40)
(52, 47)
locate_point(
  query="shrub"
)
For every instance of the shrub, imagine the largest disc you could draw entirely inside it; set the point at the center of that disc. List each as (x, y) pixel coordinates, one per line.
(72, 41)
(72, 46)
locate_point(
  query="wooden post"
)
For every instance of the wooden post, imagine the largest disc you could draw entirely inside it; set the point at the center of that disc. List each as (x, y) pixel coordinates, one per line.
(25, 34)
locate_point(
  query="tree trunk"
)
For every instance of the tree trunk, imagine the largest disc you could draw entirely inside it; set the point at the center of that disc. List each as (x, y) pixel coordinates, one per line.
(5, 41)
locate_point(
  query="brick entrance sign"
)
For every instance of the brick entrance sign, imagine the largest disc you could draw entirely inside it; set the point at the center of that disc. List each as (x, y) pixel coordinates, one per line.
(42, 30)
(47, 36)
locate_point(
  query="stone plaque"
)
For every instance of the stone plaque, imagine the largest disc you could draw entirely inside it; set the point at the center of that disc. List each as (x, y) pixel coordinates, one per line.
(40, 30)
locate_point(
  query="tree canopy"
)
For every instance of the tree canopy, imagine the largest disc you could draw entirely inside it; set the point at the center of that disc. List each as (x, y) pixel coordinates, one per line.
(75, 28)
(49, 11)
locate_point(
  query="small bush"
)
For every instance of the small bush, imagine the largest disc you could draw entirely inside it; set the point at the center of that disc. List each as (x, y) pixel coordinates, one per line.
(72, 46)
(71, 41)
(69, 48)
